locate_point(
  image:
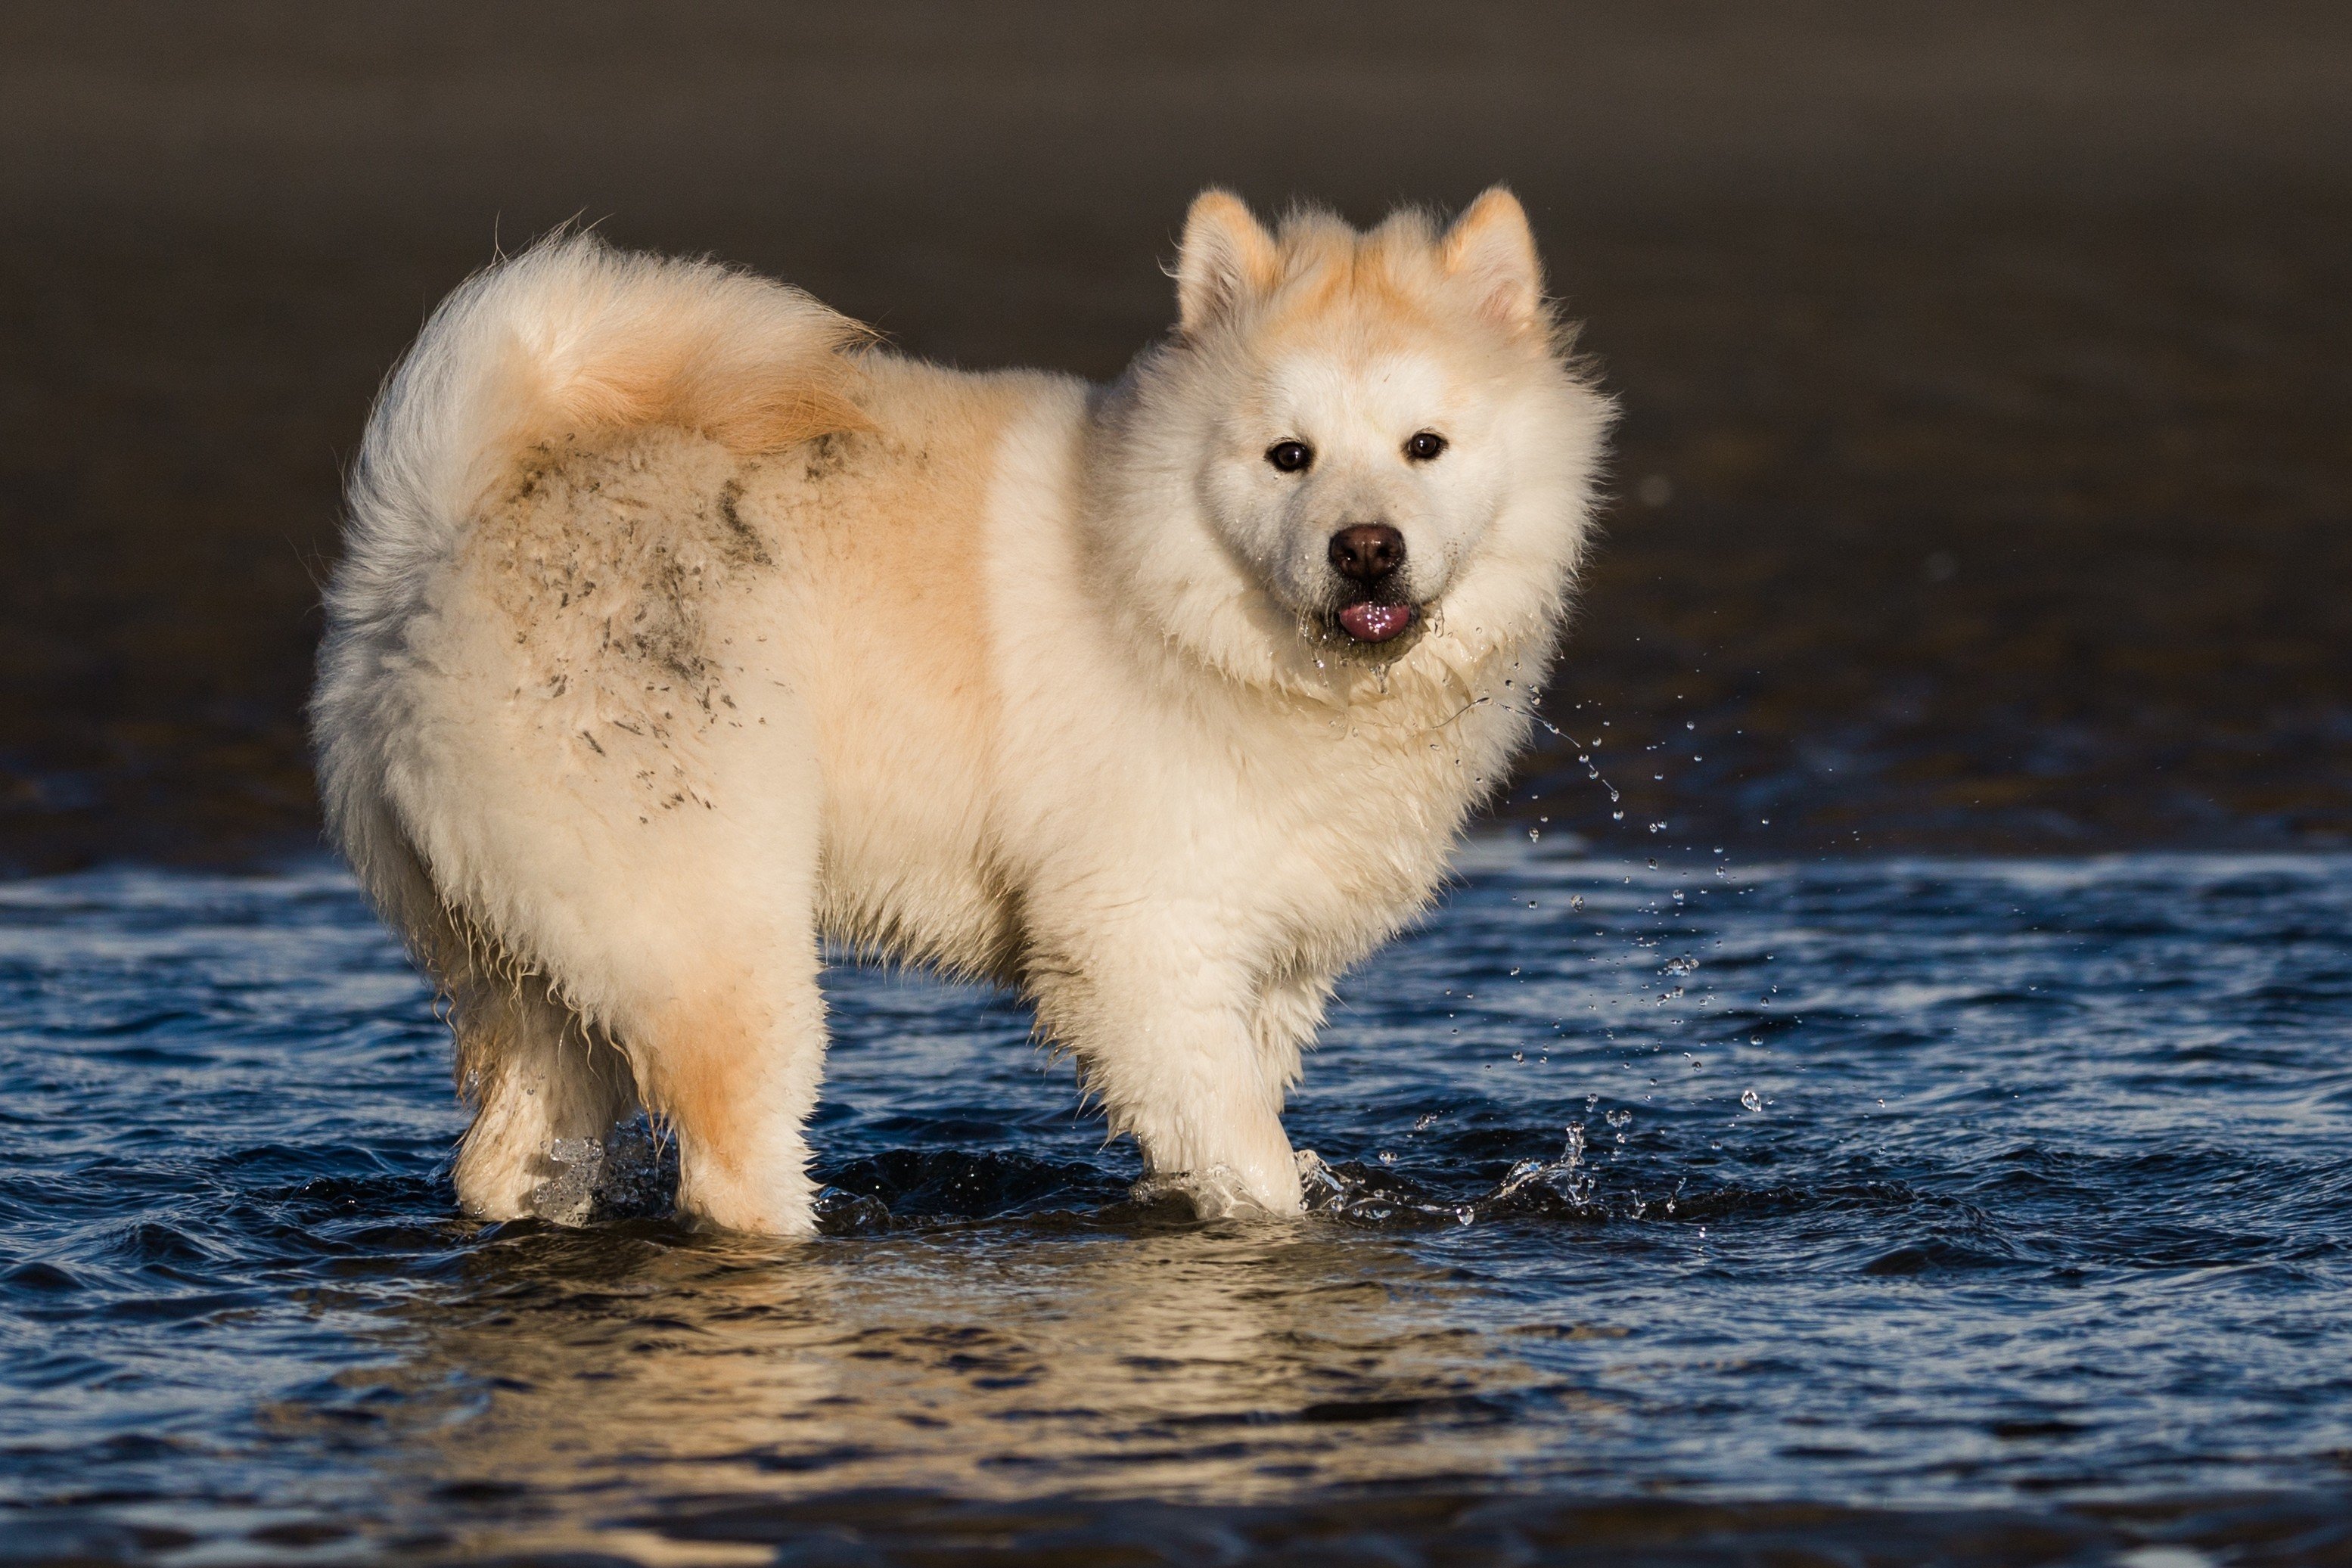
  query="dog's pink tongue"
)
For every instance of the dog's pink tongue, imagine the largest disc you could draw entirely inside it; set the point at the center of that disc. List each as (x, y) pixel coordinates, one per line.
(1375, 623)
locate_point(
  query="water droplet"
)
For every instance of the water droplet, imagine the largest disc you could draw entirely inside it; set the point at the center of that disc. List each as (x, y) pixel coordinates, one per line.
(1576, 901)
(1750, 1100)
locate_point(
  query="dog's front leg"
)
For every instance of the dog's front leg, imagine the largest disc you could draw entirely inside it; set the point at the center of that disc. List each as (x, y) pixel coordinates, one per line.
(1166, 1037)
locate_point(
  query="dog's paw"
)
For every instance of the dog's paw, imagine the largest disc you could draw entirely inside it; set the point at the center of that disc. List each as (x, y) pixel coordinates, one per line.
(1220, 1192)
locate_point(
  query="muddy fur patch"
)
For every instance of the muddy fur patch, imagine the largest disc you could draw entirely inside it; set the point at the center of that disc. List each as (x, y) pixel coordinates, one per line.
(605, 561)
(608, 562)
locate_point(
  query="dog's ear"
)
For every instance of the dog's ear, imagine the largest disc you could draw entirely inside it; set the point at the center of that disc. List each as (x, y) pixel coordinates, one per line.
(1227, 257)
(1491, 248)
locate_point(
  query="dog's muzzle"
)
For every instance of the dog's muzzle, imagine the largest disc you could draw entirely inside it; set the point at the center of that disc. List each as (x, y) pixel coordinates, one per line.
(1369, 559)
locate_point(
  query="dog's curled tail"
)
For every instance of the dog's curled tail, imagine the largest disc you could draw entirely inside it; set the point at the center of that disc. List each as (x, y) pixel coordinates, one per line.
(574, 338)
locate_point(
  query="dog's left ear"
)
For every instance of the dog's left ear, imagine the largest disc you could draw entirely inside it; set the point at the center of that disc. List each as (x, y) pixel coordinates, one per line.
(1227, 257)
(1491, 248)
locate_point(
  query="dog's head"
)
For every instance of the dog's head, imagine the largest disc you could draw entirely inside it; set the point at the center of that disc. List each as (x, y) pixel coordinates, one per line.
(1376, 431)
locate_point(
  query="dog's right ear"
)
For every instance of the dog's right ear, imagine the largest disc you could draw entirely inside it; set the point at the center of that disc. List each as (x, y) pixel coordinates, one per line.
(1227, 258)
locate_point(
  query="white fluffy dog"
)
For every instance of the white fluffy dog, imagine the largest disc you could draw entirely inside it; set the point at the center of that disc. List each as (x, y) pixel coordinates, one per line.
(681, 630)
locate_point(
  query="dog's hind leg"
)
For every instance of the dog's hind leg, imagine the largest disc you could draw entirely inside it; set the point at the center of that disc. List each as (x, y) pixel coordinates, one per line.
(662, 959)
(547, 1092)
(701, 950)
(660, 891)
(731, 1063)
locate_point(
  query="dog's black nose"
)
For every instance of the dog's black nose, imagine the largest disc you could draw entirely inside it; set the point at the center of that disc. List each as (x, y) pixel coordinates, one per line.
(1367, 551)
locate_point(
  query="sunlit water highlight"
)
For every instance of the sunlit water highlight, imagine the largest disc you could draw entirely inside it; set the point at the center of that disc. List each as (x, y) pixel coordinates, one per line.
(1958, 1186)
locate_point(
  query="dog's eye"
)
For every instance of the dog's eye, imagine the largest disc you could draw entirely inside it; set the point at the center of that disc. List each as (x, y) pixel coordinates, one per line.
(1290, 456)
(1427, 445)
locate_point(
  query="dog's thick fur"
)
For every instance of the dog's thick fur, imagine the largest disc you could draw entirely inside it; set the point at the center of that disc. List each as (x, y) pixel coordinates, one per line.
(681, 630)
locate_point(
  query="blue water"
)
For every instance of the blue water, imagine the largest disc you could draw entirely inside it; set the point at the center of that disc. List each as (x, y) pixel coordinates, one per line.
(1998, 1208)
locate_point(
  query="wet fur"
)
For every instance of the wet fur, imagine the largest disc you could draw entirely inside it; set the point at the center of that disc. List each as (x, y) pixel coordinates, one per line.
(681, 629)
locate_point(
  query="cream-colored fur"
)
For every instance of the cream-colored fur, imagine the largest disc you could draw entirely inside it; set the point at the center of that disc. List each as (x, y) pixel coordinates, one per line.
(680, 629)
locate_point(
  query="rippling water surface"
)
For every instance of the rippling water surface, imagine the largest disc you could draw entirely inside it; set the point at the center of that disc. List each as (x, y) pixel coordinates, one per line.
(1993, 1211)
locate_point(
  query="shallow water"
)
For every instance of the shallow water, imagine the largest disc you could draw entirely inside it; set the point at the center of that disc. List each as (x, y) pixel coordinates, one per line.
(1990, 1211)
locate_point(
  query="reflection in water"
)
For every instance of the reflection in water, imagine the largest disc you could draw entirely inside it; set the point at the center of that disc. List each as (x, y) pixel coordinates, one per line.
(1234, 1361)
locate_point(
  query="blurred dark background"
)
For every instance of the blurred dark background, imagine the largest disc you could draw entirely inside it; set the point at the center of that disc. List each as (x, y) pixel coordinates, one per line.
(1984, 479)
